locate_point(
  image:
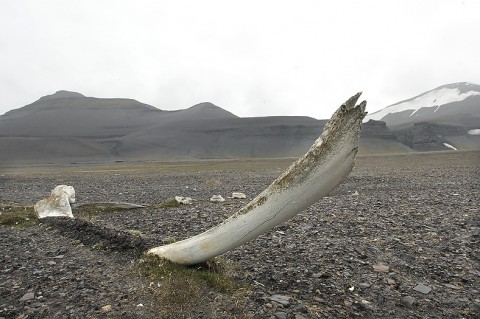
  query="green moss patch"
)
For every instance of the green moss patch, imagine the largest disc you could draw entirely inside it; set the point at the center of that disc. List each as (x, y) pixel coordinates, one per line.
(169, 204)
(17, 215)
(184, 290)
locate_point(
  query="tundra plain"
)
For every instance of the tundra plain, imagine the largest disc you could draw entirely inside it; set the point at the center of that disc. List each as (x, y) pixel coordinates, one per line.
(398, 238)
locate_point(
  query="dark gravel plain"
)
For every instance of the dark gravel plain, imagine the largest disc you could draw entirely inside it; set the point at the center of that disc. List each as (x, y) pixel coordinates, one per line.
(398, 239)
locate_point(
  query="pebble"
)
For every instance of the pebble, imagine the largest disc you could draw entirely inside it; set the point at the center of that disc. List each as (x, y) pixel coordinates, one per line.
(452, 286)
(106, 308)
(407, 301)
(27, 296)
(422, 288)
(280, 315)
(364, 285)
(381, 268)
(283, 300)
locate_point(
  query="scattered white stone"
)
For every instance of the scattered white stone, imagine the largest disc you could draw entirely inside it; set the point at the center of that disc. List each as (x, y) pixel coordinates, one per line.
(106, 308)
(238, 195)
(184, 200)
(58, 204)
(217, 198)
(355, 194)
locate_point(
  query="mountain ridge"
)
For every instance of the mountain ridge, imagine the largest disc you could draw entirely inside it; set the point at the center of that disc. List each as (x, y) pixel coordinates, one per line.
(450, 104)
(68, 126)
(62, 94)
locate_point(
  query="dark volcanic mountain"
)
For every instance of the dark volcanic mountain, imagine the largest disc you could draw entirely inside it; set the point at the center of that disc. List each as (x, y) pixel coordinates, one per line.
(67, 126)
(70, 127)
(71, 114)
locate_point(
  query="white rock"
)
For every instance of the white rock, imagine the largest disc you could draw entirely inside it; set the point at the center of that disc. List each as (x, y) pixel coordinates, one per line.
(184, 200)
(217, 198)
(238, 195)
(106, 308)
(58, 204)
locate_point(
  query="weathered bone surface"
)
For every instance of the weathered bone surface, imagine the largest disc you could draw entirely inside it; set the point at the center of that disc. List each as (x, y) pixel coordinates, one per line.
(313, 176)
(58, 204)
(238, 195)
(217, 198)
(183, 200)
(109, 205)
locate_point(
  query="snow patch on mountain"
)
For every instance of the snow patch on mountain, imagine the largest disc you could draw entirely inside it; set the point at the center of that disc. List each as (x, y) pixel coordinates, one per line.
(430, 99)
(450, 146)
(474, 132)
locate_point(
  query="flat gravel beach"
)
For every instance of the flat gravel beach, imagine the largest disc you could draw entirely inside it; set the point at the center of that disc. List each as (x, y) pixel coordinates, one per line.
(399, 238)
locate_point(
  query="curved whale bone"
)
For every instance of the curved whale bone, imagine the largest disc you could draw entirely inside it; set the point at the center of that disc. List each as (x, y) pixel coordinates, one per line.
(313, 176)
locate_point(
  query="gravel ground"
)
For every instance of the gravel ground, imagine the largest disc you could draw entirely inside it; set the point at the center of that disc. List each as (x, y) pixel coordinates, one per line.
(398, 239)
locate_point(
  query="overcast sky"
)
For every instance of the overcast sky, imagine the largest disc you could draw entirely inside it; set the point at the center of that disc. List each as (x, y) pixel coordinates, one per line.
(253, 58)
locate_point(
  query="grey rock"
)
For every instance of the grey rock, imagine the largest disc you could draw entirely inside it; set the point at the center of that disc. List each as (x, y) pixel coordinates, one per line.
(27, 296)
(452, 286)
(302, 309)
(280, 315)
(381, 268)
(364, 285)
(407, 301)
(283, 300)
(422, 288)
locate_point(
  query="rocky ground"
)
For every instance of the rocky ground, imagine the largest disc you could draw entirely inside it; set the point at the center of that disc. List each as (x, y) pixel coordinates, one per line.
(398, 239)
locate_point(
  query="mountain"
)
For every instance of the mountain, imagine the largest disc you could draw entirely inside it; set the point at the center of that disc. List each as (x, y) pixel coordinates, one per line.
(72, 114)
(445, 118)
(456, 104)
(223, 138)
(70, 127)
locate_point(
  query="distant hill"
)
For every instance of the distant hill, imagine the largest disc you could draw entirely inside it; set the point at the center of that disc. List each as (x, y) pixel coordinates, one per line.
(68, 127)
(223, 138)
(70, 114)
